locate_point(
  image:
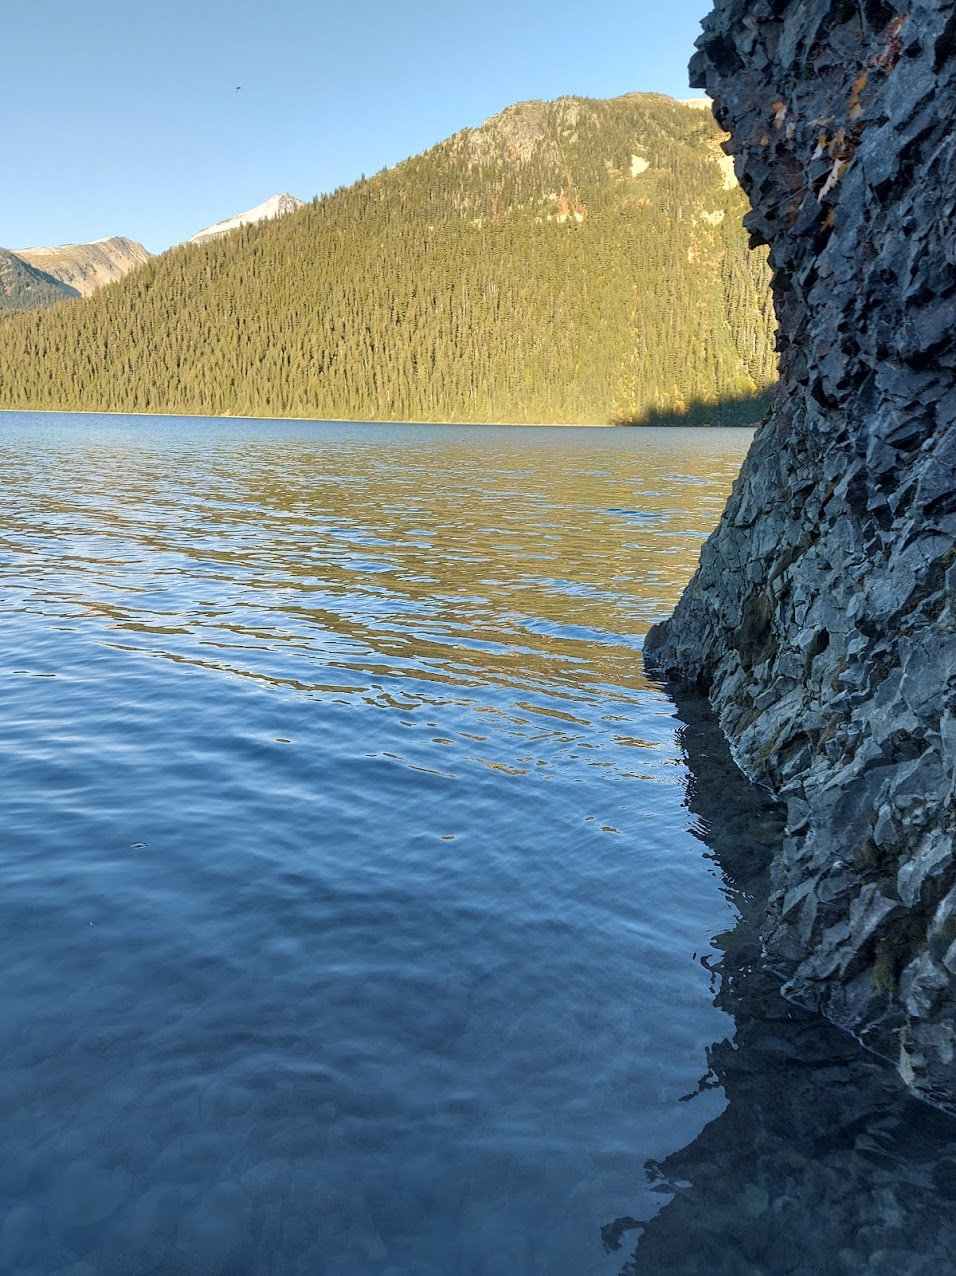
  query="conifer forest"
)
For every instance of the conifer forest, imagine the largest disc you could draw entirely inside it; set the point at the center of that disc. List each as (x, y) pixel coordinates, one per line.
(579, 261)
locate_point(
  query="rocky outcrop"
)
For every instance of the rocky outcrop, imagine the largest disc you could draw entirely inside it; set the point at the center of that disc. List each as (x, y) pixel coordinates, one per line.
(86, 267)
(821, 619)
(820, 1164)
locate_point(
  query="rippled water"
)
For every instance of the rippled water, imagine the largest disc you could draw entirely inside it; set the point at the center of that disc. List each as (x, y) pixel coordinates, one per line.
(360, 911)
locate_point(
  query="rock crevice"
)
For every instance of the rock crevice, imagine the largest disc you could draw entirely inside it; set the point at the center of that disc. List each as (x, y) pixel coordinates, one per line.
(821, 619)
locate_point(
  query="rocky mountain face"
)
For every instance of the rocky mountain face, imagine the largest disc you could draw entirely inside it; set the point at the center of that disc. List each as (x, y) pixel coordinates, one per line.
(821, 619)
(86, 267)
(276, 206)
(24, 288)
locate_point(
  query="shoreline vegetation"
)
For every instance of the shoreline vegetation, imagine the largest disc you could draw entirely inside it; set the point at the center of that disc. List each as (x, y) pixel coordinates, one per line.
(724, 419)
(573, 262)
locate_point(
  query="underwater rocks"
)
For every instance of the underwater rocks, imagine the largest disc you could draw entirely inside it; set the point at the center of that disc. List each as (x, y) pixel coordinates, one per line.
(821, 619)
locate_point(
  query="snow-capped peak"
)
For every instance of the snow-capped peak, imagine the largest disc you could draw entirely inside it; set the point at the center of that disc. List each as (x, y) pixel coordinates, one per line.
(277, 206)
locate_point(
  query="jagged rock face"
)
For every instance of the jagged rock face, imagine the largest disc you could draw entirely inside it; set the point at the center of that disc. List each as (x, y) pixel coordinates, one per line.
(821, 618)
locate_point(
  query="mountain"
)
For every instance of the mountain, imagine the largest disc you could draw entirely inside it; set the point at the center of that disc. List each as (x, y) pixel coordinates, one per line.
(24, 288)
(570, 261)
(277, 206)
(86, 267)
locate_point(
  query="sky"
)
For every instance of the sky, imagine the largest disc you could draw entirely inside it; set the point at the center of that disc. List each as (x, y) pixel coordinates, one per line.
(155, 118)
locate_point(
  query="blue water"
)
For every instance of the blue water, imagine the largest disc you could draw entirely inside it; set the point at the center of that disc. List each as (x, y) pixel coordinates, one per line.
(360, 913)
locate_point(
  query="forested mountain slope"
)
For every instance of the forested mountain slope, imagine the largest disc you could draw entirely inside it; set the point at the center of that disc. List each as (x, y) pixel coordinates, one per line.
(573, 261)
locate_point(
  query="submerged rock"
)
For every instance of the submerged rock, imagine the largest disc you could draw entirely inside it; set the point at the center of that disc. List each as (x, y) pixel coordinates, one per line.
(821, 619)
(820, 1163)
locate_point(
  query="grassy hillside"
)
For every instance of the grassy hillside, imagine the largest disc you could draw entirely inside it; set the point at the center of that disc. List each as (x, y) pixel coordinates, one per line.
(574, 261)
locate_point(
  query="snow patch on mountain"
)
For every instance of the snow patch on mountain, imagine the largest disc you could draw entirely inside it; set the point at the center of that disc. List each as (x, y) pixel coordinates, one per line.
(277, 206)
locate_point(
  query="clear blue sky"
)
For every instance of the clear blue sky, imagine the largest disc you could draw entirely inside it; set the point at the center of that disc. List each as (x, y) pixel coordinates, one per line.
(122, 116)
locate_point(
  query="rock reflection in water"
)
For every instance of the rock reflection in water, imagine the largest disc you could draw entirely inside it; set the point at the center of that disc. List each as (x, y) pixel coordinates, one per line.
(821, 1163)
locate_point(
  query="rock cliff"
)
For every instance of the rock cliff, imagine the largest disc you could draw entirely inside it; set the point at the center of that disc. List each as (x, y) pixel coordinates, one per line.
(819, 1165)
(821, 619)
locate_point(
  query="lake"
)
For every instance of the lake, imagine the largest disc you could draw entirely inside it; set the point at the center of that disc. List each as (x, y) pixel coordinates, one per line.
(366, 910)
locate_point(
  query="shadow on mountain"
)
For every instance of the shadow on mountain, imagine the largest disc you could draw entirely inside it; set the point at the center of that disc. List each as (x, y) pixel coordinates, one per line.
(749, 410)
(26, 287)
(820, 1164)
(67, 290)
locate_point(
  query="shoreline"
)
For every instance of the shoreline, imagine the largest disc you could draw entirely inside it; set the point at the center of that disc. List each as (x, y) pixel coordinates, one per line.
(309, 420)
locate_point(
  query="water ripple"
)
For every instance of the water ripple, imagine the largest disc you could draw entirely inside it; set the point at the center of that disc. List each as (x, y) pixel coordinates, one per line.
(351, 912)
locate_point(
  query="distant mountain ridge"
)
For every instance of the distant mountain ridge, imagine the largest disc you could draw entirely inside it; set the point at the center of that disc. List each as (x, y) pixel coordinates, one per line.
(51, 274)
(570, 261)
(86, 267)
(276, 206)
(22, 287)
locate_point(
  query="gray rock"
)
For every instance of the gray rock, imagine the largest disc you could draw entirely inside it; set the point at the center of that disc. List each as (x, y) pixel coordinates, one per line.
(921, 984)
(822, 618)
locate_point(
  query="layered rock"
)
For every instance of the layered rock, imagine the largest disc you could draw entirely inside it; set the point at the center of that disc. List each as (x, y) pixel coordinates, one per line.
(821, 619)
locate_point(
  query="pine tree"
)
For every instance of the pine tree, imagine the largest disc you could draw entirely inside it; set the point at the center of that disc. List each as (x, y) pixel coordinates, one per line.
(530, 270)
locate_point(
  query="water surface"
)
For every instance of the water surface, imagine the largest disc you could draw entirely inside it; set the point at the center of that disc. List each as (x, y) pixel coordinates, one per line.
(361, 914)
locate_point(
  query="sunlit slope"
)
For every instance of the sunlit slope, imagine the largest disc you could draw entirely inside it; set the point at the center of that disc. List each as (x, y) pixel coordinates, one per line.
(573, 261)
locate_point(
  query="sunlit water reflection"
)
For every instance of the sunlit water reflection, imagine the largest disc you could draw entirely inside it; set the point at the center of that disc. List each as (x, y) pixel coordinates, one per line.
(355, 915)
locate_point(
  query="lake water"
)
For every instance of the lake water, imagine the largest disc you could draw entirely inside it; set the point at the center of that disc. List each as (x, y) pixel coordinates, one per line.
(365, 910)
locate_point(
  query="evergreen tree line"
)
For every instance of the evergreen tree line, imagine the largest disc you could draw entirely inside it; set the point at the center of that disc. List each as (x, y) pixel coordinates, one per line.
(575, 261)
